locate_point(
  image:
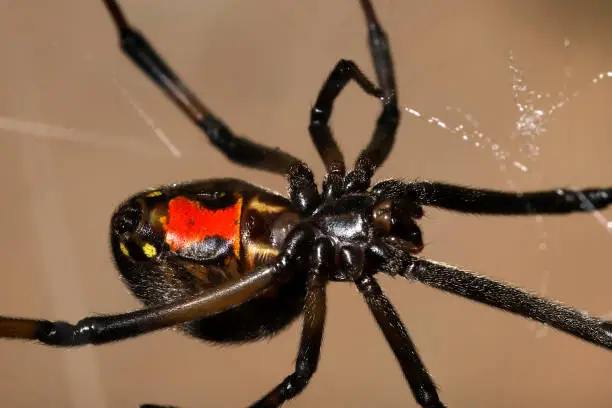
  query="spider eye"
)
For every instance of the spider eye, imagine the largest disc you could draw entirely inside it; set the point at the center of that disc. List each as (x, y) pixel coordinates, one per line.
(126, 219)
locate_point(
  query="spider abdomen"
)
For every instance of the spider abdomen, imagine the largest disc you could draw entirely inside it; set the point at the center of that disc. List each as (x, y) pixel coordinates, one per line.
(181, 240)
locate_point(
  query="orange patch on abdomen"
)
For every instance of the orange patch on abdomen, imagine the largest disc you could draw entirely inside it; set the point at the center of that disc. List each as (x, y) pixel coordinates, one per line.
(190, 222)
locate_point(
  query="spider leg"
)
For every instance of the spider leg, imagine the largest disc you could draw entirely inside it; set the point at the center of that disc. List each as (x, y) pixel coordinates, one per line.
(239, 150)
(511, 299)
(421, 383)
(482, 201)
(312, 331)
(319, 129)
(320, 132)
(105, 329)
(384, 134)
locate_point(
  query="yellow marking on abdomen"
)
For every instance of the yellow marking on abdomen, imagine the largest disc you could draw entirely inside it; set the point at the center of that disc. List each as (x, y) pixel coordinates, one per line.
(259, 254)
(257, 205)
(149, 250)
(124, 249)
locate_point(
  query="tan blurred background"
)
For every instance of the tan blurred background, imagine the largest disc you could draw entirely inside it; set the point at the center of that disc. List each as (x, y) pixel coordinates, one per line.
(76, 138)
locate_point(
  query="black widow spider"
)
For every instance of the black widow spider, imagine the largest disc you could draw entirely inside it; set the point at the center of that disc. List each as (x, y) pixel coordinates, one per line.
(229, 262)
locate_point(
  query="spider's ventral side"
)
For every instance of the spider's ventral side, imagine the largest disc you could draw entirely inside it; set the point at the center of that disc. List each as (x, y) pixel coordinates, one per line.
(227, 261)
(176, 242)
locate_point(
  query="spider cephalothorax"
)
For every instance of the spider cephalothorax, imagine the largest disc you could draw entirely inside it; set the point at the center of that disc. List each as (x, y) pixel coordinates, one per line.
(228, 261)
